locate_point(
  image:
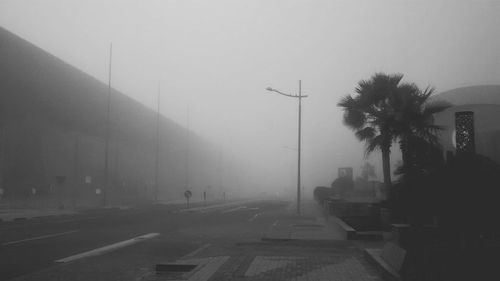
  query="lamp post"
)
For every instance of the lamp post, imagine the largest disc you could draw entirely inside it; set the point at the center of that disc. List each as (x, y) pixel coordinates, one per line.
(299, 96)
(157, 151)
(106, 144)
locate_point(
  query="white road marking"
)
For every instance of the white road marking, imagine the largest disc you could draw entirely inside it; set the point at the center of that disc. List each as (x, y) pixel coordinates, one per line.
(109, 248)
(254, 217)
(205, 272)
(38, 237)
(193, 253)
(217, 206)
(234, 209)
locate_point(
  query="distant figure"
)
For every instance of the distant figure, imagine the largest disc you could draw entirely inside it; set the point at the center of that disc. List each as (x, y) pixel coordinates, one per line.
(204, 197)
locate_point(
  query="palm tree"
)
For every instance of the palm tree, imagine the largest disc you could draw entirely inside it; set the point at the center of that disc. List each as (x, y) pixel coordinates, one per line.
(384, 110)
(370, 113)
(414, 119)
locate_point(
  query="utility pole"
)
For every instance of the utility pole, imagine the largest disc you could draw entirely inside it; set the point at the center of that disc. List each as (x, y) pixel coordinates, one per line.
(299, 142)
(221, 187)
(299, 96)
(106, 147)
(76, 166)
(157, 164)
(187, 155)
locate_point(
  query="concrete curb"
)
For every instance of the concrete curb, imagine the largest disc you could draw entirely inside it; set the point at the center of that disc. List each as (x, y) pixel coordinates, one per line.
(33, 215)
(84, 211)
(36, 217)
(349, 232)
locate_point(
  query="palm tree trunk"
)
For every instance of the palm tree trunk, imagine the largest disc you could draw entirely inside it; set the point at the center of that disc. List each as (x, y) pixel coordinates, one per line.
(386, 166)
(404, 146)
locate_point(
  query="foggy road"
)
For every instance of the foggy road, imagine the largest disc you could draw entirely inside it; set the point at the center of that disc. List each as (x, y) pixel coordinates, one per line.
(33, 245)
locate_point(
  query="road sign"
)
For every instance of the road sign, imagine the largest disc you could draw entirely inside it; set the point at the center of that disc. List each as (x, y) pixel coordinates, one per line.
(187, 194)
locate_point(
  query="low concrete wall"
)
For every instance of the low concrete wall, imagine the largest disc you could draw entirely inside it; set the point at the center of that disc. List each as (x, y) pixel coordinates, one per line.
(342, 208)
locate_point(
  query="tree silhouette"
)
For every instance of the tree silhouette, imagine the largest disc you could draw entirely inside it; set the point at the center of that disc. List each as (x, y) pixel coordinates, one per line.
(370, 114)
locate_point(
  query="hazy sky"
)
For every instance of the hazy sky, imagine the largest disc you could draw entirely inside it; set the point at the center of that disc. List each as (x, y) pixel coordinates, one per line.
(217, 57)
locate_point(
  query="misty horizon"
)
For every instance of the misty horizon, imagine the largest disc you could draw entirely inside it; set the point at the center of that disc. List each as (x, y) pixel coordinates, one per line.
(214, 60)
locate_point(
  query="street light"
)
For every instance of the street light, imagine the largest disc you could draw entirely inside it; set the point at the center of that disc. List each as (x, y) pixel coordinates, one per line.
(106, 144)
(299, 96)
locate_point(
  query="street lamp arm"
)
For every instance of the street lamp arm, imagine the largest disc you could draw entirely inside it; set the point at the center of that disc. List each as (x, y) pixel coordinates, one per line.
(281, 93)
(300, 96)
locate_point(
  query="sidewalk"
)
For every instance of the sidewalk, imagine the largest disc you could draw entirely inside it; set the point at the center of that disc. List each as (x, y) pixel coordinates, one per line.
(311, 224)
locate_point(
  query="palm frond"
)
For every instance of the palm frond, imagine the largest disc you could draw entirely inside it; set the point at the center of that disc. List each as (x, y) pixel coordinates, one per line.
(374, 144)
(367, 133)
(354, 118)
(436, 107)
(347, 102)
(364, 87)
(427, 92)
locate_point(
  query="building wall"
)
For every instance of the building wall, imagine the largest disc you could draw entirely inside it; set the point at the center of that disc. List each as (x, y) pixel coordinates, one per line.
(52, 123)
(486, 126)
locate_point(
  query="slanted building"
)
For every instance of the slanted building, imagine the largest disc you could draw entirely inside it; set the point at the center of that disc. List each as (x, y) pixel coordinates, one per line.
(52, 135)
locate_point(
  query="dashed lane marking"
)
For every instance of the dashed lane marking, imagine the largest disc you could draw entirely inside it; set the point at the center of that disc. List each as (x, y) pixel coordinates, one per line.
(254, 217)
(38, 238)
(234, 209)
(109, 248)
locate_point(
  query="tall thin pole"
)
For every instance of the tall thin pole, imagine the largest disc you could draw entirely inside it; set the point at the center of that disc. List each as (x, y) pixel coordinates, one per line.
(76, 174)
(106, 147)
(157, 164)
(220, 169)
(299, 143)
(186, 168)
(299, 96)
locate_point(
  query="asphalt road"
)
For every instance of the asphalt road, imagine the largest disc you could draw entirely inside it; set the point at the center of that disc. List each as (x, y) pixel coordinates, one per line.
(34, 245)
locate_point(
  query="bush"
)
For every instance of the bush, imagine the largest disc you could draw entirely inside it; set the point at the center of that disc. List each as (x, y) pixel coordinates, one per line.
(463, 194)
(343, 185)
(321, 193)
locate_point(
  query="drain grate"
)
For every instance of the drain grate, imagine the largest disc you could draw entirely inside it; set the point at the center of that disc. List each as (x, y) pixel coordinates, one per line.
(174, 268)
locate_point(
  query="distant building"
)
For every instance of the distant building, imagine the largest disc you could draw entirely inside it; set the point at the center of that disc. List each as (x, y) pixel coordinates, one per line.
(52, 128)
(472, 123)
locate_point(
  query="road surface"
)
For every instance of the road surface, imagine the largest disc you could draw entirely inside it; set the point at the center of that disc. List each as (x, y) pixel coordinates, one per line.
(40, 244)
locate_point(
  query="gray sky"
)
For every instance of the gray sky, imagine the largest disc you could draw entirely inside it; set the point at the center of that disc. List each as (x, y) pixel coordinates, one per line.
(217, 57)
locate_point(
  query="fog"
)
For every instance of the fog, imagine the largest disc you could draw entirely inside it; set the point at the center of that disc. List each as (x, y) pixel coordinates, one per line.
(214, 59)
